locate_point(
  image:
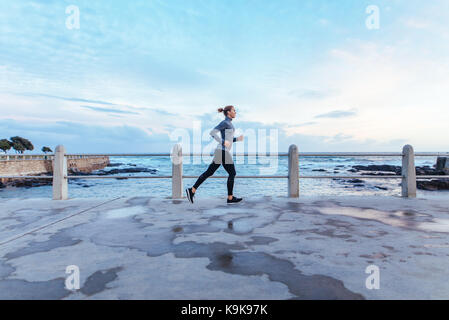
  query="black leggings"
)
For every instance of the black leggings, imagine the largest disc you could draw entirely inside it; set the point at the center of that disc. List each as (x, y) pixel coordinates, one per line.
(230, 169)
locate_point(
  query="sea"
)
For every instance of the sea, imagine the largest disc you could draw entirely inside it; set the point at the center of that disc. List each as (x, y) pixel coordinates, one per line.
(244, 187)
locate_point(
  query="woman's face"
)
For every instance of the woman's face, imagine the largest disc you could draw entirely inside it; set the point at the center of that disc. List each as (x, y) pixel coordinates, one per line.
(232, 113)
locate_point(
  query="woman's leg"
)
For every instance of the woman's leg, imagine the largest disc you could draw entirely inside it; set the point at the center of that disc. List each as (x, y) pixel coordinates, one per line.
(210, 171)
(230, 169)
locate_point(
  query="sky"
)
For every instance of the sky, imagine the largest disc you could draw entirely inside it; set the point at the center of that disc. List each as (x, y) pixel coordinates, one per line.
(136, 73)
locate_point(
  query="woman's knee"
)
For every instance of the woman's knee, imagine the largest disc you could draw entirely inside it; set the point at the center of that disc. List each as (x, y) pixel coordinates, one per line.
(207, 174)
(230, 169)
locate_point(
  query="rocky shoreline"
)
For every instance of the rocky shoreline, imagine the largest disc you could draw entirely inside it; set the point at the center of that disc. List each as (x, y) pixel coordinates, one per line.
(383, 170)
(369, 170)
(37, 182)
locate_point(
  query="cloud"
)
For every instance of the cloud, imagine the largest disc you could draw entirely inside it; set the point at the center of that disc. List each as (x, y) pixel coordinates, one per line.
(311, 94)
(88, 138)
(67, 99)
(107, 110)
(183, 59)
(292, 129)
(337, 114)
(416, 24)
(81, 138)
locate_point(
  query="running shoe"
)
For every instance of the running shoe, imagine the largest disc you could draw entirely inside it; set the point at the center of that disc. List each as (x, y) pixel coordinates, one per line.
(190, 194)
(234, 200)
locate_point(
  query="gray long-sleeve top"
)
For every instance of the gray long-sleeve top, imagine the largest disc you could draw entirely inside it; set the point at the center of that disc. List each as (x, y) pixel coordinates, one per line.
(226, 130)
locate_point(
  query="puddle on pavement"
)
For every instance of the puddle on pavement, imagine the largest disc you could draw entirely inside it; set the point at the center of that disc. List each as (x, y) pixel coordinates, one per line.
(57, 240)
(125, 212)
(241, 225)
(438, 225)
(223, 258)
(222, 212)
(20, 289)
(404, 219)
(97, 282)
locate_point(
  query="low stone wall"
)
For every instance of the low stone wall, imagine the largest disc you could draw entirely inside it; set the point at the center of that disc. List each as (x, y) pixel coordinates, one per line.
(87, 164)
(25, 167)
(42, 167)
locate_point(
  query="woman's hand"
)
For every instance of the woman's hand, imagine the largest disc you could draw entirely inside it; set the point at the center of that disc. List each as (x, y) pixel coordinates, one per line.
(227, 143)
(240, 138)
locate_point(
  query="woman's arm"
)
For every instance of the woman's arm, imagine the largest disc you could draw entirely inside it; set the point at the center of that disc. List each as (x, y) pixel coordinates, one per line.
(215, 131)
(240, 138)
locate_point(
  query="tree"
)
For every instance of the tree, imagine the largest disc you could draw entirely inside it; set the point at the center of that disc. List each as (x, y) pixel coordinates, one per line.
(5, 145)
(46, 149)
(18, 147)
(21, 144)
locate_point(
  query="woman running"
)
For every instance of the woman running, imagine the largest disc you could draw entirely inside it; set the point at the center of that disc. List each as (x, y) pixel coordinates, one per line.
(221, 155)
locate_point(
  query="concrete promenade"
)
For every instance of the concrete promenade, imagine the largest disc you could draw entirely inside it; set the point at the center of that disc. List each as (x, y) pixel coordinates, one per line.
(262, 248)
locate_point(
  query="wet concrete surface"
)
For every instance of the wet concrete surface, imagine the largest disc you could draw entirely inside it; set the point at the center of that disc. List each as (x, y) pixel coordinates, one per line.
(35, 290)
(98, 280)
(148, 248)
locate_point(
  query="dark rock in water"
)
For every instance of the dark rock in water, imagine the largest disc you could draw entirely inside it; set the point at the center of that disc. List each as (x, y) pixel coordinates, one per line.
(428, 171)
(355, 181)
(442, 164)
(352, 170)
(381, 188)
(118, 164)
(433, 185)
(125, 170)
(340, 166)
(37, 182)
(28, 183)
(112, 171)
(336, 171)
(382, 168)
(319, 170)
(132, 164)
(76, 172)
(177, 229)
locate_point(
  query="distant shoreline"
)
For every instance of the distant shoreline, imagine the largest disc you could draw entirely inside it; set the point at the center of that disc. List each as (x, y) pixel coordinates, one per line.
(44, 167)
(434, 184)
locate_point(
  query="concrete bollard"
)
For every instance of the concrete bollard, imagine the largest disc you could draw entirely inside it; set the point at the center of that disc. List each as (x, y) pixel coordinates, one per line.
(176, 158)
(293, 172)
(60, 183)
(408, 172)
